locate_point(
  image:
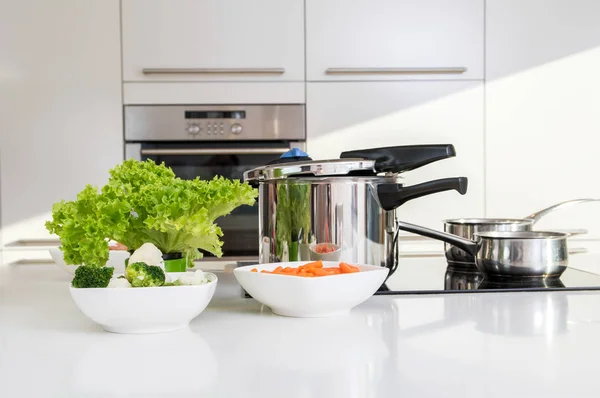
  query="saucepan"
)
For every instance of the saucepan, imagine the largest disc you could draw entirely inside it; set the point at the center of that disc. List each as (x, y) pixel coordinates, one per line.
(508, 254)
(468, 227)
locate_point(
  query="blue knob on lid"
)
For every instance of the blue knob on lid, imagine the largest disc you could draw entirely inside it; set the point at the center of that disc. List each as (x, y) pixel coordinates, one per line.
(294, 153)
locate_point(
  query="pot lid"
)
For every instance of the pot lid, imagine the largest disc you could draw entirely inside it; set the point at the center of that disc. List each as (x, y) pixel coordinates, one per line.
(366, 162)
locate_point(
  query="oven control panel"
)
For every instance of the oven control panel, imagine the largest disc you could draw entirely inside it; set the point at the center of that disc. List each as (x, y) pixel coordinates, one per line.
(214, 128)
(145, 123)
(215, 122)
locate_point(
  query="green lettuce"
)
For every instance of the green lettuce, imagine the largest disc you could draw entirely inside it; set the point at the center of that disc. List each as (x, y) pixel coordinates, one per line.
(145, 202)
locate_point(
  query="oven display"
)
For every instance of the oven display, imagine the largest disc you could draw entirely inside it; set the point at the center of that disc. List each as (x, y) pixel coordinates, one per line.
(215, 114)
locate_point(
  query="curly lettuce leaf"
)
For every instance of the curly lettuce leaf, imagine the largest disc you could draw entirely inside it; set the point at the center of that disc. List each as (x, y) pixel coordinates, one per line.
(180, 217)
(186, 234)
(83, 226)
(131, 174)
(222, 196)
(145, 202)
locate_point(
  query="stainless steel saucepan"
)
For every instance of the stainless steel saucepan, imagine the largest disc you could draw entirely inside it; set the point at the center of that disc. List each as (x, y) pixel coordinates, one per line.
(520, 253)
(468, 227)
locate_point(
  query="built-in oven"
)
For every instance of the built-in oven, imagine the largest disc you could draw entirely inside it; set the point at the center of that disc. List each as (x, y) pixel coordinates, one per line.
(205, 141)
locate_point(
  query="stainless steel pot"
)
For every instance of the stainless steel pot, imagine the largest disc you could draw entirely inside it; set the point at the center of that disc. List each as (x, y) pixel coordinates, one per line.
(468, 227)
(347, 204)
(521, 253)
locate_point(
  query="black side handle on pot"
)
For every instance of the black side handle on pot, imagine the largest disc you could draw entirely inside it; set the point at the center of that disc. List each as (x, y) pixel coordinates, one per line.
(398, 159)
(392, 196)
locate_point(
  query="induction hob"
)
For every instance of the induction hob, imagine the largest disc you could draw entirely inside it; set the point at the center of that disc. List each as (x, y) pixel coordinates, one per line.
(433, 275)
(441, 277)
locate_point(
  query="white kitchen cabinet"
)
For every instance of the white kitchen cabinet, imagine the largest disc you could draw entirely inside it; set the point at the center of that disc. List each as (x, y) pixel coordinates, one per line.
(542, 109)
(416, 39)
(24, 256)
(355, 115)
(60, 108)
(213, 40)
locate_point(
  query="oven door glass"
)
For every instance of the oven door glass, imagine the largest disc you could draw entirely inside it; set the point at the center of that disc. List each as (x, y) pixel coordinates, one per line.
(230, 160)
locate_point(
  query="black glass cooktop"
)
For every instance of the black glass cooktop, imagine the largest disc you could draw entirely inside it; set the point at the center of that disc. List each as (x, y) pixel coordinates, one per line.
(431, 275)
(451, 279)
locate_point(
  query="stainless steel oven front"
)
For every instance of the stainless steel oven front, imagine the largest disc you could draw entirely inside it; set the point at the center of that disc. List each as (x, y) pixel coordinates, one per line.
(204, 141)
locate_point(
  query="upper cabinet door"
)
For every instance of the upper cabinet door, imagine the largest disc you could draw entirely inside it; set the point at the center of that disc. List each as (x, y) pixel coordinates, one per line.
(184, 40)
(394, 39)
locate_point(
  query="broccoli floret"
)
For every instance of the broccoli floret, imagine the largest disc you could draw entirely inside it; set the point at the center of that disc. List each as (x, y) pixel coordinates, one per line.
(133, 270)
(144, 275)
(89, 277)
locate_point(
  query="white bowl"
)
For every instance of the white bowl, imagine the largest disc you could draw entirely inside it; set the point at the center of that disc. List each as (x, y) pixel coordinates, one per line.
(330, 256)
(316, 297)
(116, 259)
(144, 309)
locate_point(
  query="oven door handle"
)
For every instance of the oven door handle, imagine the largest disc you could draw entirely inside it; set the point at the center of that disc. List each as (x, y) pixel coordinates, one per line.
(214, 151)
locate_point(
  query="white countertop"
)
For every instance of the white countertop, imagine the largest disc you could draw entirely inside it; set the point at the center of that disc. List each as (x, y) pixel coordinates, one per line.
(457, 345)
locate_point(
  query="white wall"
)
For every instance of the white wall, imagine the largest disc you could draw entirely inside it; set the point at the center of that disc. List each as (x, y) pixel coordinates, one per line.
(60, 106)
(543, 109)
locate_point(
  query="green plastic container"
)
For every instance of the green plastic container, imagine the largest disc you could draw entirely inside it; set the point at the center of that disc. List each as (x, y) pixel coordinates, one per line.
(176, 265)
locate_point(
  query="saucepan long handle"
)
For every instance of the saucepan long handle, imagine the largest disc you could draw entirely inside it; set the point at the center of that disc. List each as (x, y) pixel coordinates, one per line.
(537, 215)
(467, 245)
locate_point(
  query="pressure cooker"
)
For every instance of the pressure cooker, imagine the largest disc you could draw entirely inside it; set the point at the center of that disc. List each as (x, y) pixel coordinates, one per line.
(341, 209)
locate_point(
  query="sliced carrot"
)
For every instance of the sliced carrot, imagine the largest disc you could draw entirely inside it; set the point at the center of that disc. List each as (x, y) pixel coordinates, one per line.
(314, 264)
(312, 269)
(347, 268)
(321, 272)
(332, 271)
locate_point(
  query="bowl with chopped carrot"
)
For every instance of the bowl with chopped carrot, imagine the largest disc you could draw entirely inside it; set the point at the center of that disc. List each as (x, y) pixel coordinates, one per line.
(325, 252)
(311, 289)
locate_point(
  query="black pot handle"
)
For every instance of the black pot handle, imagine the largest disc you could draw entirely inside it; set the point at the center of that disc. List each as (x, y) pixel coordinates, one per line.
(392, 196)
(467, 245)
(398, 159)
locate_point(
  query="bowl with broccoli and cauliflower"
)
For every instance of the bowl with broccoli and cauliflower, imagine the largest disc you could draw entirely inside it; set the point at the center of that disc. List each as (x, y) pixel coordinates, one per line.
(168, 222)
(145, 298)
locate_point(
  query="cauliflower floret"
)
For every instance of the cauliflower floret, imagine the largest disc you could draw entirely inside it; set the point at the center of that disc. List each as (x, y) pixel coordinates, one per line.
(119, 283)
(192, 278)
(149, 254)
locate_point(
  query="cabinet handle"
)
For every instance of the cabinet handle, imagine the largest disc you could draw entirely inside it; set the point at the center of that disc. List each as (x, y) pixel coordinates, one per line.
(214, 71)
(32, 261)
(34, 242)
(215, 151)
(396, 71)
